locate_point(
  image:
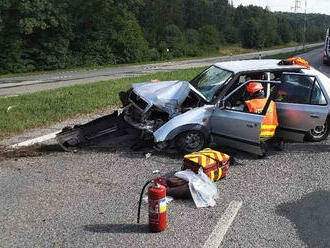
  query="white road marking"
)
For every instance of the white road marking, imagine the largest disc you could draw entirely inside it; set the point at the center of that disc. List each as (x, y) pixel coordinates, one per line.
(23, 83)
(223, 225)
(36, 140)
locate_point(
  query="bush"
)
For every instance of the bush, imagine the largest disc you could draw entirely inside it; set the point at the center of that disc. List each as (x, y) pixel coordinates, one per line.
(192, 37)
(173, 38)
(97, 53)
(230, 34)
(128, 43)
(252, 36)
(209, 37)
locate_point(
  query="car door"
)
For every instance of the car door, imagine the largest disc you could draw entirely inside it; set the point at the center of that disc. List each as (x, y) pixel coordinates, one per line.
(233, 127)
(301, 106)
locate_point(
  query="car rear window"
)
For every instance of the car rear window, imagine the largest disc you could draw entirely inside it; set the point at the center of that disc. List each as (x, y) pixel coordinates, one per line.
(324, 80)
(300, 89)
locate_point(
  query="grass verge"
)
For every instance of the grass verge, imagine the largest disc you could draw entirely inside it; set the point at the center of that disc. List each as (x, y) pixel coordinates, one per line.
(225, 50)
(44, 108)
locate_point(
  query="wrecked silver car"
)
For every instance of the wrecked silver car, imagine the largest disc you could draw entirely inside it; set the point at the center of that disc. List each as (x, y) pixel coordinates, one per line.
(188, 116)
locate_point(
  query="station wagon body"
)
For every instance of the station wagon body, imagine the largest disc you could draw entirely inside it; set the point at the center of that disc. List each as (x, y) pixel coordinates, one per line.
(208, 109)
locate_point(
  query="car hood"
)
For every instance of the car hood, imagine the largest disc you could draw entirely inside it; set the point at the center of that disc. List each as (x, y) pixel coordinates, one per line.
(166, 95)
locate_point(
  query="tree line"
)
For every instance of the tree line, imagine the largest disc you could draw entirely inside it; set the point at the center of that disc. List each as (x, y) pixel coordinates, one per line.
(58, 34)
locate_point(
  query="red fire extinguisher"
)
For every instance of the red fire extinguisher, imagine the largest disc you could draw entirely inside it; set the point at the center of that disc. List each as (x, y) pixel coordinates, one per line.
(157, 205)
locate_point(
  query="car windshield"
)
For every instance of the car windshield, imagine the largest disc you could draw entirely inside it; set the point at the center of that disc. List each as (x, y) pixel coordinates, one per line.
(210, 80)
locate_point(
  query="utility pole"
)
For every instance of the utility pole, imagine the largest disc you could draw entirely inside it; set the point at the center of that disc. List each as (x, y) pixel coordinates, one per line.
(296, 8)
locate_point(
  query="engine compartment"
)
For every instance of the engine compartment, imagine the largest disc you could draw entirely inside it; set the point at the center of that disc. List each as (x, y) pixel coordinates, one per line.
(150, 118)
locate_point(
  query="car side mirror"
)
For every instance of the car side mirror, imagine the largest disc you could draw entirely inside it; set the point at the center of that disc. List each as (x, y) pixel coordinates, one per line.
(221, 104)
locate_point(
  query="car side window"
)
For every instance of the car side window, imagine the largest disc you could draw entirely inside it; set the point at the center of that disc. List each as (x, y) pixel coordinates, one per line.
(317, 95)
(295, 89)
(236, 100)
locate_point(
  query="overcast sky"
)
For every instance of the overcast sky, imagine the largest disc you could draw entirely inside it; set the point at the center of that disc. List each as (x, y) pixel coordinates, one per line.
(313, 6)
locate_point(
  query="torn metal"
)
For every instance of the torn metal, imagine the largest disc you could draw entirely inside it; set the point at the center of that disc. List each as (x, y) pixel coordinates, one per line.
(156, 110)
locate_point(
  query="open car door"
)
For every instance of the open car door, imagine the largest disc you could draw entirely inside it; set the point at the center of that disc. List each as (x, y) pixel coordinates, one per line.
(234, 127)
(301, 106)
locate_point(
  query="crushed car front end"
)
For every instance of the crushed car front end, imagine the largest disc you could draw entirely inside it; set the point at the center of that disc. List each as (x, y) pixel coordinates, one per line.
(165, 109)
(160, 111)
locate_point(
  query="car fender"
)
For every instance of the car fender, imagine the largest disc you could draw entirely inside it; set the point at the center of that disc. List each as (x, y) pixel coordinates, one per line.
(195, 119)
(190, 127)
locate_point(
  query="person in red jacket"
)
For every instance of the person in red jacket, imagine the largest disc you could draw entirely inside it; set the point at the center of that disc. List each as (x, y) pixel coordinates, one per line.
(256, 104)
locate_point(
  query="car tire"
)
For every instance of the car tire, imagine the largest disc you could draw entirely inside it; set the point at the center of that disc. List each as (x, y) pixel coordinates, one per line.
(191, 141)
(319, 133)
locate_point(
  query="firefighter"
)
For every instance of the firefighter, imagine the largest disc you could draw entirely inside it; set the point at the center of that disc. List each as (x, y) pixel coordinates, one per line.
(256, 104)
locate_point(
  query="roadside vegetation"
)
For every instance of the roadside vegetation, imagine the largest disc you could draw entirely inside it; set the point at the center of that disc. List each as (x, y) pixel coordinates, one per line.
(48, 35)
(44, 108)
(225, 50)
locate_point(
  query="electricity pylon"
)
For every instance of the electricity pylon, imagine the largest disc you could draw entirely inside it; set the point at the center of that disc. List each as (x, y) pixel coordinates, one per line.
(296, 6)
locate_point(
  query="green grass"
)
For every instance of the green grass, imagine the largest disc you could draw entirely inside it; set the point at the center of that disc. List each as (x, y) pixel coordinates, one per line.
(46, 107)
(225, 50)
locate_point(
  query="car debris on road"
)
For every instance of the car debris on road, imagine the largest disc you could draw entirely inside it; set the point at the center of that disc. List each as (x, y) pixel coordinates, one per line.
(18, 152)
(188, 116)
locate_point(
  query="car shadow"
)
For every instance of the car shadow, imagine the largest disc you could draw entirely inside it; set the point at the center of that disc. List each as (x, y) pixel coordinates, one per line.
(307, 147)
(49, 148)
(236, 154)
(117, 228)
(273, 150)
(131, 147)
(310, 217)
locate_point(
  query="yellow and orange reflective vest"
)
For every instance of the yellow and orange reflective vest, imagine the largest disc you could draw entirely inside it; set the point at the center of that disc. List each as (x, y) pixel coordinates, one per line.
(270, 122)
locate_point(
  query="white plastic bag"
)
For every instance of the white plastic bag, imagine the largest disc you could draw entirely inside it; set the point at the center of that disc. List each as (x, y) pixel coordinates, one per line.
(203, 190)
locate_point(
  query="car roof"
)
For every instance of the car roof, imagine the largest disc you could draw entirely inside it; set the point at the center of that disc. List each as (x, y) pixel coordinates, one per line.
(255, 65)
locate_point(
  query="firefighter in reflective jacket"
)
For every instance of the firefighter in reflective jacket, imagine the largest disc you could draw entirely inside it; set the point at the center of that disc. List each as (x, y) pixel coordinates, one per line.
(257, 104)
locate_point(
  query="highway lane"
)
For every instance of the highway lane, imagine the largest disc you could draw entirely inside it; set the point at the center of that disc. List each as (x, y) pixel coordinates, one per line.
(89, 198)
(315, 59)
(30, 84)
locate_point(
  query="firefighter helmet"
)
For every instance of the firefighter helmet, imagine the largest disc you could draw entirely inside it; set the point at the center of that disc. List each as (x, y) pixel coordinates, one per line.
(254, 87)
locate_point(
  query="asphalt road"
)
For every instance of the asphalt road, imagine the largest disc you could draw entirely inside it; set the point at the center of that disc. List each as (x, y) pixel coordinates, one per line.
(88, 198)
(315, 59)
(29, 84)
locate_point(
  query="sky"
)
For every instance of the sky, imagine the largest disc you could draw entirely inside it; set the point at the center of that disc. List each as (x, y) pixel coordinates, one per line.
(313, 6)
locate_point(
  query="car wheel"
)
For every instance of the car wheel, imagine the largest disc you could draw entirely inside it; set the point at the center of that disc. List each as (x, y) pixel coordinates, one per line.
(191, 141)
(319, 133)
